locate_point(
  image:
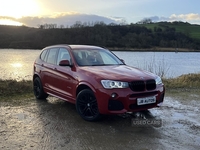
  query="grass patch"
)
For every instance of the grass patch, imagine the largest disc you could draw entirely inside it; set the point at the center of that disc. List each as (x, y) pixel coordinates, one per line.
(184, 85)
(12, 89)
(191, 30)
(188, 81)
(184, 88)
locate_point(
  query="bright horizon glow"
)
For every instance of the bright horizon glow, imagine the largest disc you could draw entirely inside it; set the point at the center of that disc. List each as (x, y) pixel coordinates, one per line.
(10, 22)
(18, 8)
(36, 12)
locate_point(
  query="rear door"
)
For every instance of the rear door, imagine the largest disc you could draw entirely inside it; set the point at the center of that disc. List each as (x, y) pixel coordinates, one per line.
(49, 74)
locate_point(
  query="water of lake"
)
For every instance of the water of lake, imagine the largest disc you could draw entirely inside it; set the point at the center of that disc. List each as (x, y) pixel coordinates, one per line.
(18, 64)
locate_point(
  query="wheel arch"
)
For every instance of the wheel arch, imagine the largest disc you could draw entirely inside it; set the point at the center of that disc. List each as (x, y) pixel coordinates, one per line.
(38, 88)
(83, 86)
(35, 76)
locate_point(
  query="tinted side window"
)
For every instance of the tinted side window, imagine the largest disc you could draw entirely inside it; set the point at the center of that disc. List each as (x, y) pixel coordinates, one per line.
(63, 55)
(42, 56)
(52, 56)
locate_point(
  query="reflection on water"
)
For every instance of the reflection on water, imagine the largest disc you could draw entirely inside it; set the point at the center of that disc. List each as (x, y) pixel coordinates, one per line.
(17, 71)
(18, 64)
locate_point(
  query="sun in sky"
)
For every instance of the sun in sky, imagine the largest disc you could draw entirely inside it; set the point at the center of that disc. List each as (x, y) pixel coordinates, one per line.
(10, 22)
(17, 9)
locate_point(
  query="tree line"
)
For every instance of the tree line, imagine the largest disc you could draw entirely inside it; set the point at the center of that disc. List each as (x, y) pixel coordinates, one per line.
(132, 36)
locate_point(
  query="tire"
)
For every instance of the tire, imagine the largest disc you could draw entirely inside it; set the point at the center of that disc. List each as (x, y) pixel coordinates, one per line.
(86, 105)
(38, 89)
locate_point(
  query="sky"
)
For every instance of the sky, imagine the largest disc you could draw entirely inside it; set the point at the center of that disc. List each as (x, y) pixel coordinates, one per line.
(65, 13)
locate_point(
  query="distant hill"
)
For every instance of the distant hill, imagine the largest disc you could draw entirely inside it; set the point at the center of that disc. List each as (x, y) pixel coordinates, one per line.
(151, 36)
(192, 30)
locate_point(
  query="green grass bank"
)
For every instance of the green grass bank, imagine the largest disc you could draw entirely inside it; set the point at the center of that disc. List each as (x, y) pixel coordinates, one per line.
(183, 85)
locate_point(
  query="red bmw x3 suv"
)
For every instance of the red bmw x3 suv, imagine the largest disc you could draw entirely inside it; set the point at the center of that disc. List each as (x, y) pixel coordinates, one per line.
(95, 80)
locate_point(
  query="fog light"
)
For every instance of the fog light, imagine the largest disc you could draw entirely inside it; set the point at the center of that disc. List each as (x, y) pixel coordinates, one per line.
(114, 95)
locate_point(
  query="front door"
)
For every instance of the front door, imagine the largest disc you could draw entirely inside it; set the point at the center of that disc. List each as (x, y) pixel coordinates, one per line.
(65, 79)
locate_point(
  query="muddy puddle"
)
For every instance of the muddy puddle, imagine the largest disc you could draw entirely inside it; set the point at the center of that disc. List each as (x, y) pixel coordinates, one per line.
(54, 124)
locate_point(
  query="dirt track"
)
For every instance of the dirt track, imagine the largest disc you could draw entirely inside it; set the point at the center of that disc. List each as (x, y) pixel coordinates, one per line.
(54, 124)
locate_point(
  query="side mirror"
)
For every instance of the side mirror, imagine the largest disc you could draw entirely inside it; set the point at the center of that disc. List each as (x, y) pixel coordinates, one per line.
(64, 63)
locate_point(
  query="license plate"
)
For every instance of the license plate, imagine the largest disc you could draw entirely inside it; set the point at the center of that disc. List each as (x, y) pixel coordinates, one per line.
(146, 100)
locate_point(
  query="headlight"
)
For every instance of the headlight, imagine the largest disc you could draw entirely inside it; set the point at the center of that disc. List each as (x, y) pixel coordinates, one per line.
(158, 80)
(109, 84)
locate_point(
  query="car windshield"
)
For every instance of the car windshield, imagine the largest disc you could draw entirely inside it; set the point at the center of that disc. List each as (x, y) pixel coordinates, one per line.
(96, 57)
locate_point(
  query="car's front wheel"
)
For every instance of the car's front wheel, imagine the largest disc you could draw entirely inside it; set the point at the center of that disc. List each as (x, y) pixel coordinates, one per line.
(38, 89)
(86, 105)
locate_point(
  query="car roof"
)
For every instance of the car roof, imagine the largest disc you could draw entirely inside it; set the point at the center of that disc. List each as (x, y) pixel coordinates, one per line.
(77, 47)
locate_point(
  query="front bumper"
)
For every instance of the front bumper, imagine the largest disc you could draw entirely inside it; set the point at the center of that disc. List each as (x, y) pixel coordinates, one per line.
(119, 101)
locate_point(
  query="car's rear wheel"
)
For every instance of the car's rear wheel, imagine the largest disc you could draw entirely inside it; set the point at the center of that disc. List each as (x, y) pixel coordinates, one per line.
(38, 89)
(86, 105)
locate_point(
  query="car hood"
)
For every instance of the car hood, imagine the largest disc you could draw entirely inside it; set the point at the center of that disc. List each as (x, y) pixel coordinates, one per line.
(118, 72)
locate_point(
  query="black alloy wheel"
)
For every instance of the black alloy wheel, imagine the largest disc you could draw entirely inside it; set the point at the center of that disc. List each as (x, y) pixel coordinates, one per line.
(86, 105)
(38, 89)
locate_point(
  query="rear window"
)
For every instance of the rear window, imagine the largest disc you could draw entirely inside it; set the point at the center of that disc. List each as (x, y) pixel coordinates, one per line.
(52, 55)
(43, 54)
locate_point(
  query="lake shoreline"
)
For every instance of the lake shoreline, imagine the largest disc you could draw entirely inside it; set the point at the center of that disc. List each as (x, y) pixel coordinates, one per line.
(18, 63)
(155, 49)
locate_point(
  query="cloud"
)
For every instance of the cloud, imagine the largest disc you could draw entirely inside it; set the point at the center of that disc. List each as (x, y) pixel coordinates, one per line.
(64, 19)
(186, 17)
(67, 19)
(191, 18)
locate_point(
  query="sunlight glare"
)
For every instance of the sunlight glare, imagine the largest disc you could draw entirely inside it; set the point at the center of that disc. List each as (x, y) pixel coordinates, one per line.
(16, 65)
(18, 8)
(9, 22)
